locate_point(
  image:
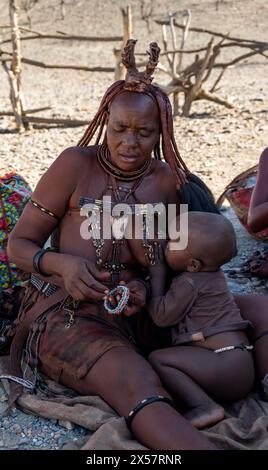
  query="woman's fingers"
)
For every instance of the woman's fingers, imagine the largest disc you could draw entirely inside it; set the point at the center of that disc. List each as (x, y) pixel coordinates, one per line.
(86, 292)
(93, 283)
(99, 275)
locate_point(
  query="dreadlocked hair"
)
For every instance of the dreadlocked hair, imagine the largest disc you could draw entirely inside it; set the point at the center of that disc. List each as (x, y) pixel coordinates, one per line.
(140, 82)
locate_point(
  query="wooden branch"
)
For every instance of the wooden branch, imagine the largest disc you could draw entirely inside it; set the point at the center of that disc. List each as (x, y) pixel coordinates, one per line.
(215, 53)
(241, 57)
(14, 73)
(174, 44)
(69, 37)
(187, 16)
(201, 49)
(172, 88)
(26, 111)
(119, 71)
(193, 92)
(37, 63)
(206, 95)
(13, 96)
(164, 37)
(65, 122)
(213, 88)
(165, 21)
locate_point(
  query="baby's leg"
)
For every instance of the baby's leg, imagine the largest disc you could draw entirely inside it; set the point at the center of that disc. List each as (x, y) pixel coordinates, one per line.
(191, 373)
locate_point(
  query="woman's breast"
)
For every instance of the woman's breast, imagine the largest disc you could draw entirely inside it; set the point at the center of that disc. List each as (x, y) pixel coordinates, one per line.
(75, 237)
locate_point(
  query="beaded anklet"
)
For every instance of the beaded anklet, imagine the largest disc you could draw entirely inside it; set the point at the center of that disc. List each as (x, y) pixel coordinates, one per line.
(124, 292)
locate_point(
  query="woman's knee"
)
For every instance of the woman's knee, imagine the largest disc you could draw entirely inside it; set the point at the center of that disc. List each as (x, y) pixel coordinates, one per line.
(123, 371)
(254, 307)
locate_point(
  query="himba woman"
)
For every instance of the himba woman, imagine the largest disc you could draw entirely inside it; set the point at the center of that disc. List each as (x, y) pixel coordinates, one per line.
(70, 336)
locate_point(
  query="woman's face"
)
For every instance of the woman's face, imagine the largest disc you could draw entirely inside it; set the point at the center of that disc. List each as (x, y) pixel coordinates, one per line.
(132, 130)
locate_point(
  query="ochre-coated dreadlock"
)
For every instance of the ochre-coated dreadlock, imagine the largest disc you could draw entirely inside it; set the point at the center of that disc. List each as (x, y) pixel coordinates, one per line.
(140, 82)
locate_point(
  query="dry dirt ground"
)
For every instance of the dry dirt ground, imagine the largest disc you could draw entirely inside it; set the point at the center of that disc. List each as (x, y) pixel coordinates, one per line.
(217, 143)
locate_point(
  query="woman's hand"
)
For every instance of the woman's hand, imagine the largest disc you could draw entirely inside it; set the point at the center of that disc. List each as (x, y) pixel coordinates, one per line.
(82, 280)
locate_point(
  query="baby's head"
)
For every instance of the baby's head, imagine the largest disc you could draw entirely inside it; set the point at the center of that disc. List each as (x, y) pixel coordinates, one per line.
(211, 243)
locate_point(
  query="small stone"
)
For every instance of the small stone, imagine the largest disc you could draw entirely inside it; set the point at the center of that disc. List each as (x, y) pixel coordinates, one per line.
(23, 442)
(66, 424)
(17, 429)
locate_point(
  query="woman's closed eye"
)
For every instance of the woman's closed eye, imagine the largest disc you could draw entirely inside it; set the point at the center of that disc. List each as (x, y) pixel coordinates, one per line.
(119, 129)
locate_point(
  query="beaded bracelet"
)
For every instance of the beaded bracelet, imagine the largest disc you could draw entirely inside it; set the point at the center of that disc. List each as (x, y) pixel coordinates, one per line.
(37, 258)
(124, 292)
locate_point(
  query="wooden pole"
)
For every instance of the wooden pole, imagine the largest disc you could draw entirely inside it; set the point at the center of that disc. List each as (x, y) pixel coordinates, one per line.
(14, 73)
(119, 73)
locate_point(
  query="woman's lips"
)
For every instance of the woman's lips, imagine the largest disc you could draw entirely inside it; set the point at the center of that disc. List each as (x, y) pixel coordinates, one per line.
(128, 158)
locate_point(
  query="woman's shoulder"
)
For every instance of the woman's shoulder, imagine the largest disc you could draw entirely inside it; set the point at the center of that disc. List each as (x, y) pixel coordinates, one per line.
(77, 155)
(74, 161)
(162, 169)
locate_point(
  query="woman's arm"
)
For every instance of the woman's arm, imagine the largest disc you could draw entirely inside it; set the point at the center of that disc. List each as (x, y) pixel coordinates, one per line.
(258, 211)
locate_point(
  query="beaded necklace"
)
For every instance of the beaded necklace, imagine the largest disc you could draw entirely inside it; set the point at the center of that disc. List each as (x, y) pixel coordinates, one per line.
(112, 170)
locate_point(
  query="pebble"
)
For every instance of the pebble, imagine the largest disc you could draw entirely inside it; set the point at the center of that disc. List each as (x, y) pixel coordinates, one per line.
(66, 424)
(16, 428)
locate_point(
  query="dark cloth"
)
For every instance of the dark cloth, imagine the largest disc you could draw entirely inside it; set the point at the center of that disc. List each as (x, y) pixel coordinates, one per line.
(74, 350)
(197, 303)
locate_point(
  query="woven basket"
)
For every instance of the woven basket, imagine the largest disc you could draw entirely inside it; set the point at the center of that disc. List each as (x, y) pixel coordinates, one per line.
(238, 193)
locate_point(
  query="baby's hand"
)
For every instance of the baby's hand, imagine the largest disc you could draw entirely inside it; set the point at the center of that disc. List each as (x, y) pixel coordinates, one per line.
(159, 266)
(159, 257)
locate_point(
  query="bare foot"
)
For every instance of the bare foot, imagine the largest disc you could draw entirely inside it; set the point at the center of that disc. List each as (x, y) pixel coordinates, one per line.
(205, 415)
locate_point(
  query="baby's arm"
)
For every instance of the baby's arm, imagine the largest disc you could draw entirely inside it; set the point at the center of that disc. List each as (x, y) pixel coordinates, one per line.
(158, 272)
(258, 211)
(169, 309)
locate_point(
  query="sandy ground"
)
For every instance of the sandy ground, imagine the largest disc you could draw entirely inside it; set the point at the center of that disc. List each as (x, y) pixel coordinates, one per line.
(217, 143)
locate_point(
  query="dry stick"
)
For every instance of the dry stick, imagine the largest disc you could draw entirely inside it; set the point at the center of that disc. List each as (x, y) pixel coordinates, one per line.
(208, 31)
(195, 89)
(201, 49)
(233, 62)
(213, 88)
(14, 74)
(186, 25)
(62, 9)
(56, 66)
(206, 95)
(174, 44)
(26, 111)
(164, 38)
(174, 64)
(72, 38)
(13, 95)
(215, 53)
(66, 122)
(119, 71)
(241, 57)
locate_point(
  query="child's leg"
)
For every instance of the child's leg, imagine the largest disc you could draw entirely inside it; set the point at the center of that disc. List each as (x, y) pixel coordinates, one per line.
(225, 376)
